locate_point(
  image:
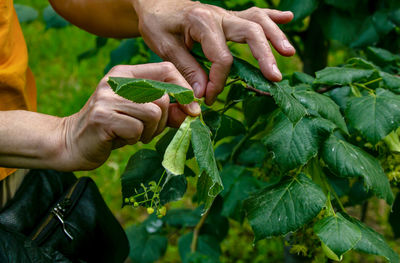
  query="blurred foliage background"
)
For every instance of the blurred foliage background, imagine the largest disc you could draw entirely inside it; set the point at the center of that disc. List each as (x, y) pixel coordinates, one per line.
(65, 83)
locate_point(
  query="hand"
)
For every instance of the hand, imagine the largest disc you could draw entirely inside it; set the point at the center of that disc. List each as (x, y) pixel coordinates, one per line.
(108, 121)
(170, 27)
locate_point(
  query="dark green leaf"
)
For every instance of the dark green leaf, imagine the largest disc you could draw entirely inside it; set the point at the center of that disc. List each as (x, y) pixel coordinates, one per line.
(323, 105)
(146, 90)
(373, 243)
(213, 121)
(206, 245)
(229, 127)
(254, 107)
(381, 56)
(144, 166)
(291, 107)
(302, 78)
(394, 217)
(285, 207)
(173, 189)
(374, 115)
(338, 25)
(52, 19)
(252, 154)
(237, 93)
(123, 53)
(175, 154)
(340, 96)
(345, 5)
(144, 247)
(390, 82)
(347, 160)
(249, 74)
(182, 217)
(367, 35)
(209, 184)
(25, 13)
(341, 76)
(337, 233)
(293, 145)
(359, 63)
(300, 9)
(164, 141)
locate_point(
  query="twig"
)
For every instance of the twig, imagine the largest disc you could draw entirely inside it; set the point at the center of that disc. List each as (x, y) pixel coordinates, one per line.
(196, 231)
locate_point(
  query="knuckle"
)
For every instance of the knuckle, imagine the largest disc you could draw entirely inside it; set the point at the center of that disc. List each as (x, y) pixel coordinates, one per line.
(200, 13)
(255, 29)
(168, 66)
(154, 113)
(98, 115)
(226, 58)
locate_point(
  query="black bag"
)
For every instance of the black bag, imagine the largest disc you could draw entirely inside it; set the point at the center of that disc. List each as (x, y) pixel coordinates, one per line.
(57, 211)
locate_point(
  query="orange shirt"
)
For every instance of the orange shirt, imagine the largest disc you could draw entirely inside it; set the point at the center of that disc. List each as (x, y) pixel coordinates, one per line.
(17, 85)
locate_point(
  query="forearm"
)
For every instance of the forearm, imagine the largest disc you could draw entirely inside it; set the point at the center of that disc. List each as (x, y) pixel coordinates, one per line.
(30, 140)
(107, 18)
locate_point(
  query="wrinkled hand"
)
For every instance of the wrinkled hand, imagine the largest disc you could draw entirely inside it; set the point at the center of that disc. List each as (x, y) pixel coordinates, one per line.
(108, 121)
(170, 28)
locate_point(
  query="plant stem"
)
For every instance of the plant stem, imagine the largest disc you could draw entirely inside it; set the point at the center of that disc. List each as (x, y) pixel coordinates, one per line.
(364, 87)
(372, 81)
(196, 231)
(232, 81)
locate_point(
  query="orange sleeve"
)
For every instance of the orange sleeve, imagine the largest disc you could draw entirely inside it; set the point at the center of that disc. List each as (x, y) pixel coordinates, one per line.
(17, 84)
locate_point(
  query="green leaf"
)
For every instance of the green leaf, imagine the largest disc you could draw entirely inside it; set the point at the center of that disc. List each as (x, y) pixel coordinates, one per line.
(341, 96)
(143, 167)
(346, 160)
(293, 145)
(381, 56)
(394, 217)
(52, 19)
(182, 217)
(229, 127)
(359, 63)
(285, 207)
(337, 233)
(345, 5)
(323, 105)
(302, 78)
(213, 120)
(146, 90)
(252, 154)
(390, 82)
(123, 53)
(165, 140)
(209, 184)
(338, 25)
(291, 107)
(25, 13)
(373, 243)
(255, 106)
(374, 115)
(341, 76)
(206, 245)
(175, 155)
(240, 187)
(300, 9)
(367, 34)
(249, 74)
(145, 247)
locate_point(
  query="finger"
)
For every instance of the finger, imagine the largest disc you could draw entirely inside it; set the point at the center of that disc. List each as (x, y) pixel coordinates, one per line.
(149, 114)
(127, 129)
(241, 30)
(187, 65)
(205, 28)
(271, 30)
(175, 116)
(163, 103)
(164, 71)
(280, 17)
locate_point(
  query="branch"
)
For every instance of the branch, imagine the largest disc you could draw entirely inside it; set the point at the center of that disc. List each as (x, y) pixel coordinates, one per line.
(196, 231)
(264, 93)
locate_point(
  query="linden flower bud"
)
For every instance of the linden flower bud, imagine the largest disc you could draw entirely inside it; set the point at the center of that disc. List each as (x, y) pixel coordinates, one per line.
(126, 200)
(150, 210)
(162, 211)
(132, 199)
(135, 204)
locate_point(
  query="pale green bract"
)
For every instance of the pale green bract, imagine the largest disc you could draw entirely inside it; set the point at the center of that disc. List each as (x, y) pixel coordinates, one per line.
(146, 90)
(175, 155)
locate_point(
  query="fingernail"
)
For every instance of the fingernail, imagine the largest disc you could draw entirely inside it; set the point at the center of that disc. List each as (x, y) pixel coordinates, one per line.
(287, 12)
(196, 89)
(194, 108)
(276, 70)
(286, 44)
